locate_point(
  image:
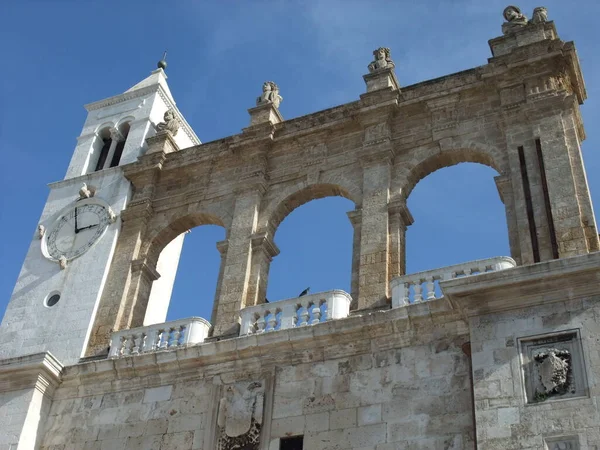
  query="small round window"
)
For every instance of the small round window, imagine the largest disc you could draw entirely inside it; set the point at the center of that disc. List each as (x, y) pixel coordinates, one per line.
(52, 299)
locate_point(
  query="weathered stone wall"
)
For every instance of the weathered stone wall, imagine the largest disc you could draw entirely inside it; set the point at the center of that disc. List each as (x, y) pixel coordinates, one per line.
(518, 114)
(506, 418)
(388, 380)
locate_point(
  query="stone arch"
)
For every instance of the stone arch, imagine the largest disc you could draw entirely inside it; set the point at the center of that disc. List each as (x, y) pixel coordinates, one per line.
(293, 198)
(492, 158)
(448, 158)
(161, 252)
(158, 240)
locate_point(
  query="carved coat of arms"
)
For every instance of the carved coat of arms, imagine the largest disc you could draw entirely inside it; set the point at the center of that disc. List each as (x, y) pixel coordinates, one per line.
(240, 416)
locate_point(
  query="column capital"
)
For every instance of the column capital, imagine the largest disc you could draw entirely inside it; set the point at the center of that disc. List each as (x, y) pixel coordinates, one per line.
(116, 135)
(41, 371)
(399, 208)
(222, 246)
(263, 241)
(141, 265)
(355, 217)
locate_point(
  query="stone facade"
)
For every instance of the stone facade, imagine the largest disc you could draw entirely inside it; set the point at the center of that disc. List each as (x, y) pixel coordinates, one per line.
(506, 357)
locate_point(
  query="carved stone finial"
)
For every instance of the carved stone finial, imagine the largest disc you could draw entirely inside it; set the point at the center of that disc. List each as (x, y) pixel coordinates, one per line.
(515, 20)
(270, 94)
(170, 123)
(87, 191)
(382, 59)
(540, 15)
(62, 262)
(41, 231)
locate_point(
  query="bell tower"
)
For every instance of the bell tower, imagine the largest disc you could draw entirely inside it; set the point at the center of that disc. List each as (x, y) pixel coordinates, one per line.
(56, 296)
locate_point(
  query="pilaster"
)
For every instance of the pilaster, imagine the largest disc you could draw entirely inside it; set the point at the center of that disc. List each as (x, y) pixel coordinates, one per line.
(263, 251)
(27, 386)
(233, 286)
(400, 219)
(355, 218)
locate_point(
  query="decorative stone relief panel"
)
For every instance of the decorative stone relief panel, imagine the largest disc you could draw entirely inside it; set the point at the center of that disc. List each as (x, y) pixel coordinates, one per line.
(513, 96)
(240, 416)
(562, 443)
(377, 133)
(553, 366)
(443, 112)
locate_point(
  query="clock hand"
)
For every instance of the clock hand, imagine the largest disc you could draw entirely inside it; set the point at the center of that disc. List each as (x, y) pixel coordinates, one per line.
(91, 226)
(76, 229)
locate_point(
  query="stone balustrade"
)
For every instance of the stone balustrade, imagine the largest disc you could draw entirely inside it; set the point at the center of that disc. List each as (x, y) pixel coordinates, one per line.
(161, 336)
(295, 312)
(423, 286)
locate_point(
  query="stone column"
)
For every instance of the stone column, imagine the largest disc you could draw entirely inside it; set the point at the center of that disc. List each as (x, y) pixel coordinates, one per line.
(356, 221)
(236, 271)
(263, 251)
(374, 241)
(116, 137)
(222, 247)
(399, 219)
(116, 301)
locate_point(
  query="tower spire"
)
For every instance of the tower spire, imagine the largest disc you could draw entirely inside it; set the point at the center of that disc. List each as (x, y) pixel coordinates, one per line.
(162, 64)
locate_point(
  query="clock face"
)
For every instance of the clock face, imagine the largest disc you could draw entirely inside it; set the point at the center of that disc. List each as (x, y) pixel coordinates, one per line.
(76, 230)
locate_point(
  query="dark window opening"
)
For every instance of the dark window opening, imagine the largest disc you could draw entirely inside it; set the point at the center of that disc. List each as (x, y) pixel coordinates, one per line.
(52, 300)
(291, 443)
(118, 152)
(103, 154)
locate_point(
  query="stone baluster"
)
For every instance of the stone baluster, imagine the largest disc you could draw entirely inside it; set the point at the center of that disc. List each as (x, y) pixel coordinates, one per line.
(163, 342)
(260, 324)
(175, 335)
(137, 344)
(289, 316)
(150, 344)
(303, 313)
(406, 294)
(315, 311)
(430, 288)
(127, 346)
(271, 321)
(418, 292)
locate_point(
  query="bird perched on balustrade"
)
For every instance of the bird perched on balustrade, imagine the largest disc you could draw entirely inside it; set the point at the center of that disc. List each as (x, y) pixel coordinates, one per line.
(304, 292)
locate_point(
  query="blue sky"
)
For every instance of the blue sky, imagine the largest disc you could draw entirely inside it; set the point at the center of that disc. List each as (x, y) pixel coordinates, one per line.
(59, 55)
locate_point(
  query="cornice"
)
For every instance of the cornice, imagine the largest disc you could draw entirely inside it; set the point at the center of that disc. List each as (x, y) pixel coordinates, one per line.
(525, 286)
(41, 371)
(87, 177)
